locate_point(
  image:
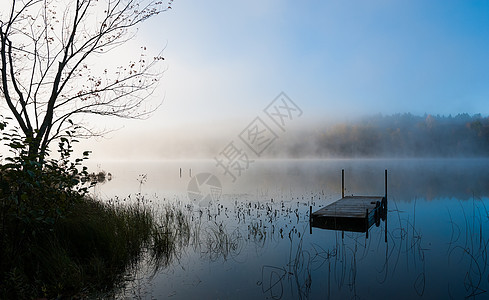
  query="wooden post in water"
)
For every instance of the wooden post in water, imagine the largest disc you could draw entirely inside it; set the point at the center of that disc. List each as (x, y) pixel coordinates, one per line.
(310, 219)
(366, 222)
(342, 183)
(385, 207)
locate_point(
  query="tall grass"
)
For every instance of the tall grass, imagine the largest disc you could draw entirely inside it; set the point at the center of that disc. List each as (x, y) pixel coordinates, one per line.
(91, 251)
(170, 236)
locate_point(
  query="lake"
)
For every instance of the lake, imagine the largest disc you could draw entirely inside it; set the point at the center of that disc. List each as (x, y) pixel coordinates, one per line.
(251, 236)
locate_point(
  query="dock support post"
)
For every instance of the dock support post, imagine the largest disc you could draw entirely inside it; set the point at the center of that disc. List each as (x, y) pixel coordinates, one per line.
(385, 208)
(310, 219)
(342, 183)
(366, 223)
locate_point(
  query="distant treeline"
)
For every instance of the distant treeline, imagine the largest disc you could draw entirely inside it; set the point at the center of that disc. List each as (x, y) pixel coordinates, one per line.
(399, 135)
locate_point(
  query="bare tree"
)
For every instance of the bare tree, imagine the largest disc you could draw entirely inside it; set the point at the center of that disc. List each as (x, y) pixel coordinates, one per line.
(47, 79)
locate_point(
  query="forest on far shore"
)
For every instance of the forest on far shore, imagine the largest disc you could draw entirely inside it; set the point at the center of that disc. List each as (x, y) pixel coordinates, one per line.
(398, 135)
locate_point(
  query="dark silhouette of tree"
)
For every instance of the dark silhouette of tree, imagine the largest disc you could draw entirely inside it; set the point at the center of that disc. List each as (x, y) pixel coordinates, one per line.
(47, 79)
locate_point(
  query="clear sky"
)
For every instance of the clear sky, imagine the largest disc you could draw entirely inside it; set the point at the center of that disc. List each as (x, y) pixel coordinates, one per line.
(226, 60)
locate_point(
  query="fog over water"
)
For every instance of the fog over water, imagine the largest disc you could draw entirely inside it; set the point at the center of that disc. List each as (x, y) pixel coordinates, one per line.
(395, 136)
(409, 179)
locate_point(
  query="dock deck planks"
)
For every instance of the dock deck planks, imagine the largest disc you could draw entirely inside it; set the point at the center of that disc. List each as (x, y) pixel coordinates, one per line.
(351, 213)
(349, 207)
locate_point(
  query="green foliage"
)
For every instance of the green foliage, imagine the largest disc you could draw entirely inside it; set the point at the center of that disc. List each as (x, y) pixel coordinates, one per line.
(55, 241)
(37, 193)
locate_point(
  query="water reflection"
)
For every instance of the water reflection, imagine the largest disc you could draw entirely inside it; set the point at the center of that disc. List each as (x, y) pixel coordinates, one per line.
(413, 264)
(255, 242)
(418, 260)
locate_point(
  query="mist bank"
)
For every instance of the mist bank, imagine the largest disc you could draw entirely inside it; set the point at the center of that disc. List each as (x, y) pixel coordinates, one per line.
(381, 136)
(399, 135)
(375, 136)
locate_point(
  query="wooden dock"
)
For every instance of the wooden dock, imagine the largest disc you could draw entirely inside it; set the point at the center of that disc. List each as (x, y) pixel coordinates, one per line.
(351, 213)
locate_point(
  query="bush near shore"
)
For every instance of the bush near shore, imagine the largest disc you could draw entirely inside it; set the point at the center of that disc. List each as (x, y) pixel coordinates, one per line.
(58, 242)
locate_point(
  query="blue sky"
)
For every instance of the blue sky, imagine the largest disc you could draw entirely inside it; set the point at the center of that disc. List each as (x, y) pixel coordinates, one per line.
(226, 60)
(333, 57)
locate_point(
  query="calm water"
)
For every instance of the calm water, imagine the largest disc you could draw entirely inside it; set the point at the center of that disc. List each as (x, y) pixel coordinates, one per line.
(254, 240)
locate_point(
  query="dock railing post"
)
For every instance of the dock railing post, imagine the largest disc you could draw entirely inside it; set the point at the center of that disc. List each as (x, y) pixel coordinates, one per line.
(342, 183)
(385, 208)
(366, 223)
(310, 219)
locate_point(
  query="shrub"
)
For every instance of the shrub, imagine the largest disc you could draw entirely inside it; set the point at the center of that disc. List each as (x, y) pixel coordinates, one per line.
(55, 241)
